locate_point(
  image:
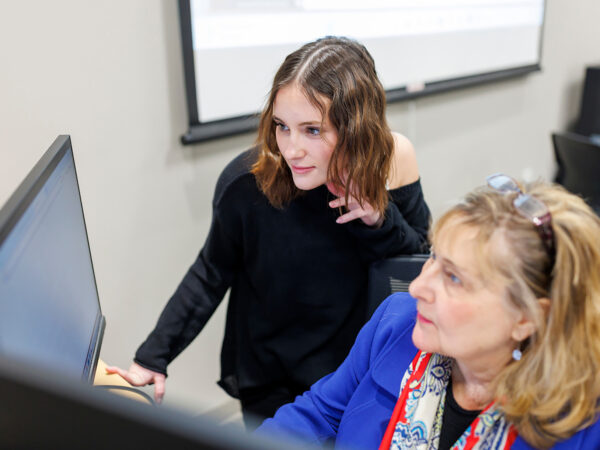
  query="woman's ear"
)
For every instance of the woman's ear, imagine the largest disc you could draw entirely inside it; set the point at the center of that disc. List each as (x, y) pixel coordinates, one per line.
(525, 327)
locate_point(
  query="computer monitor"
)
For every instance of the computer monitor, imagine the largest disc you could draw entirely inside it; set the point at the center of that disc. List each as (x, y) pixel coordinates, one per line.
(51, 325)
(49, 308)
(45, 411)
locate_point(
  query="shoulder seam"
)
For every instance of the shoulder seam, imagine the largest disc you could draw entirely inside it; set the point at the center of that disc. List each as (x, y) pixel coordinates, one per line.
(228, 185)
(224, 184)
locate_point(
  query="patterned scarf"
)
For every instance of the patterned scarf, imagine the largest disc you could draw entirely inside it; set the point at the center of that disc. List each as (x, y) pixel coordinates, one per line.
(417, 418)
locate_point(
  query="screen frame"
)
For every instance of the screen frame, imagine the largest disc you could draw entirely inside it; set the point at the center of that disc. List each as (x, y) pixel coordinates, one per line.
(17, 205)
(204, 131)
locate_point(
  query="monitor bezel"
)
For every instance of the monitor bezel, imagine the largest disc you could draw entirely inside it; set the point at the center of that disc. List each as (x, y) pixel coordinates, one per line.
(17, 204)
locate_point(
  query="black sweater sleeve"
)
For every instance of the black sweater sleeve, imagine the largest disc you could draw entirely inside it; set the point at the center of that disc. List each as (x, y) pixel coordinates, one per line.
(404, 229)
(200, 292)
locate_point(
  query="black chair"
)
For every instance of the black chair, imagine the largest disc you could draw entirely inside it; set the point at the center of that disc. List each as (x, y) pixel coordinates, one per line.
(588, 123)
(578, 160)
(392, 275)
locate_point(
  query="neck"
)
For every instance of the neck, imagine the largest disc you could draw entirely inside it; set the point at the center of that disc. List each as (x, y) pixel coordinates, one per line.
(473, 388)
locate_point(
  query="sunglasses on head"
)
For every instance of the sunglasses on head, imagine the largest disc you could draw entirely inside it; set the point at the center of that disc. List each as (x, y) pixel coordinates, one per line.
(529, 207)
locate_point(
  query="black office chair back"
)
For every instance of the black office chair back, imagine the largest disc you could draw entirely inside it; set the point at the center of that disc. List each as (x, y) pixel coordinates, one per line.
(578, 160)
(392, 275)
(588, 122)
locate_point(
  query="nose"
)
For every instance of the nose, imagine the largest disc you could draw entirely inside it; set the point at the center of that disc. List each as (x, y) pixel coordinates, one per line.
(422, 287)
(293, 148)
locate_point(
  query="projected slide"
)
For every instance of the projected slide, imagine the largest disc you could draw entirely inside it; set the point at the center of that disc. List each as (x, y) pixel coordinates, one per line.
(240, 43)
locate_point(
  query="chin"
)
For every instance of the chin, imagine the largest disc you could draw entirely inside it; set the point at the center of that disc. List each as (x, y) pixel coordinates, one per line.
(306, 185)
(423, 342)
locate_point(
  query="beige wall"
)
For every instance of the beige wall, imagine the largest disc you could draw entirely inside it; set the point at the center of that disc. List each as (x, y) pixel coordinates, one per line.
(110, 74)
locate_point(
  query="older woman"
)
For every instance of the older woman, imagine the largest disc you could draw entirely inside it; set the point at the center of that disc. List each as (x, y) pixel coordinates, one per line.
(497, 345)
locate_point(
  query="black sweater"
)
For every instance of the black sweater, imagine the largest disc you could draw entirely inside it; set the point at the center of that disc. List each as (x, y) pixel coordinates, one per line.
(298, 281)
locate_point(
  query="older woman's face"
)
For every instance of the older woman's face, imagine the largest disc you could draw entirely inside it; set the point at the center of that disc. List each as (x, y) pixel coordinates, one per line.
(460, 314)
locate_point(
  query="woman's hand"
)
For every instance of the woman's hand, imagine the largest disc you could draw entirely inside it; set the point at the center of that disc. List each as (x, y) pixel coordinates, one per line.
(140, 376)
(366, 213)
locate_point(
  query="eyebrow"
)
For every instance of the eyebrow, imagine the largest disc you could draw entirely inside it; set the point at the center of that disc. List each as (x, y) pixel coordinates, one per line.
(310, 122)
(462, 273)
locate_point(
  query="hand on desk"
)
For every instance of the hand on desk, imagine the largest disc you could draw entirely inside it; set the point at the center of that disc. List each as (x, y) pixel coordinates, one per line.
(140, 376)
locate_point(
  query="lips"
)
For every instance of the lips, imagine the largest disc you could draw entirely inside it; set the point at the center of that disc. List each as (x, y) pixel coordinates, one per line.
(422, 319)
(301, 169)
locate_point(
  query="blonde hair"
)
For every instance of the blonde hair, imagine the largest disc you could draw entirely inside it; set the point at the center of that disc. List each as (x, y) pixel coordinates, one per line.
(554, 390)
(338, 76)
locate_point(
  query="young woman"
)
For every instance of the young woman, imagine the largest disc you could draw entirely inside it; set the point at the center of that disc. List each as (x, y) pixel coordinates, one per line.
(497, 346)
(296, 222)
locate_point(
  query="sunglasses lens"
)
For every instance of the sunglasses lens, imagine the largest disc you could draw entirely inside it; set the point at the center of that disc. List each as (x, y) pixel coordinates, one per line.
(530, 207)
(502, 183)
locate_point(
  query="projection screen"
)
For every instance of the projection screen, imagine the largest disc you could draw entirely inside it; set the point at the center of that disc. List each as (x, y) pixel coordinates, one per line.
(232, 48)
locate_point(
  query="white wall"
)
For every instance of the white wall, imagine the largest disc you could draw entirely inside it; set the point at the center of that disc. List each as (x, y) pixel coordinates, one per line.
(110, 74)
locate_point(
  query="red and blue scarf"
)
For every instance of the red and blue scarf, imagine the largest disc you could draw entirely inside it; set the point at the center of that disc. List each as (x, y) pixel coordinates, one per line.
(417, 418)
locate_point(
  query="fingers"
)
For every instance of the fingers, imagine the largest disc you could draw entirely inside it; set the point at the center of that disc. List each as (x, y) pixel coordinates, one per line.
(137, 379)
(366, 213)
(117, 370)
(159, 388)
(337, 202)
(341, 201)
(139, 376)
(350, 216)
(368, 216)
(133, 376)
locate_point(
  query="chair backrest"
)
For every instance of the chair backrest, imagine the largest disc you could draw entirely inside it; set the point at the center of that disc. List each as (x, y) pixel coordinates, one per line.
(392, 275)
(588, 122)
(578, 160)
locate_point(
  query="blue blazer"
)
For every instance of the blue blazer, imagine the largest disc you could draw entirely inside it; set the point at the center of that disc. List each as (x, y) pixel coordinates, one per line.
(353, 405)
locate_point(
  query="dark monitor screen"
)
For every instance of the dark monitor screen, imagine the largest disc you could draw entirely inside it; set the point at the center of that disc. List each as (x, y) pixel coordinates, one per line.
(49, 308)
(45, 411)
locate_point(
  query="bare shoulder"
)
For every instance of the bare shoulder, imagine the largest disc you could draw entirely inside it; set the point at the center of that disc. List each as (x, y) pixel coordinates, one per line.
(404, 168)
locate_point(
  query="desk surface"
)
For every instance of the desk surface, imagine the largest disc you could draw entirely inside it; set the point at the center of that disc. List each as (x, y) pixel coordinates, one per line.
(121, 387)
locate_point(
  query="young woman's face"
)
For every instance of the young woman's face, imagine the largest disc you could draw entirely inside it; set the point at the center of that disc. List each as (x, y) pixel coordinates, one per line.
(461, 314)
(305, 140)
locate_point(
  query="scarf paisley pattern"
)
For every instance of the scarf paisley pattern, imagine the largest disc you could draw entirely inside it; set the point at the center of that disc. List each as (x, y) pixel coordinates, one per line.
(417, 418)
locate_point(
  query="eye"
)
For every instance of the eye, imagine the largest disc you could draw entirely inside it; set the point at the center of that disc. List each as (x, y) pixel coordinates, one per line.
(453, 278)
(313, 131)
(281, 126)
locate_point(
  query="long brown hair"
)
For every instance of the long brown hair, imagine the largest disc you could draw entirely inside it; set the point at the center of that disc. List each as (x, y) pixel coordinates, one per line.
(341, 71)
(554, 390)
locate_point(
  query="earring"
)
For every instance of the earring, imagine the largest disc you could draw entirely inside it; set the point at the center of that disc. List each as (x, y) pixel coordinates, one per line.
(516, 354)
